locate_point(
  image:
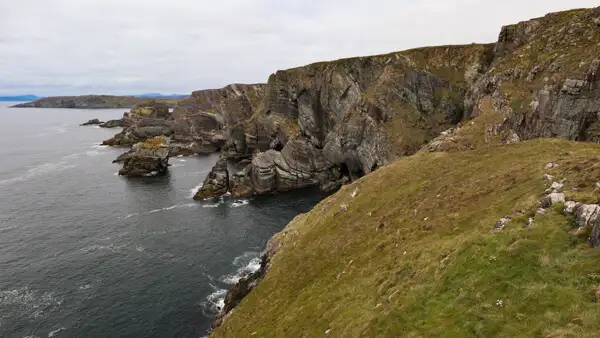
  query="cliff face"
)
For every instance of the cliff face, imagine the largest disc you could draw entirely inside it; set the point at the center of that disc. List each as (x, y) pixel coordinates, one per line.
(229, 105)
(198, 124)
(543, 82)
(329, 123)
(91, 102)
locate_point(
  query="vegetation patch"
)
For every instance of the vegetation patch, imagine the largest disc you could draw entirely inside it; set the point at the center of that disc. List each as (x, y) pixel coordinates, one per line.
(413, 253)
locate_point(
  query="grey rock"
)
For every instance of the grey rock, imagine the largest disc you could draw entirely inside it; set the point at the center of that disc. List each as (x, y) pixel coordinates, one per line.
(502, 223)
(571, 206)
(587, 214)
(148, 159)
(216, 182)
(93, 122)
(552, 198)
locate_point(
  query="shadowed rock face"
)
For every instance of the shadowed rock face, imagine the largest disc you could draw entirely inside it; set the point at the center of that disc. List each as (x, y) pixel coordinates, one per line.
(149, 158)
(216, 182)
(328, 123)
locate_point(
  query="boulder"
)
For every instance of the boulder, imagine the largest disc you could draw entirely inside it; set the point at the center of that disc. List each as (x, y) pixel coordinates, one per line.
(552, 198)
(149, 158)
(587, 214)
(93, 122)
(216, 182)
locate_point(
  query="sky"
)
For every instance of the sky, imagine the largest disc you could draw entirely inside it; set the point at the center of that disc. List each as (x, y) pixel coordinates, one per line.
(75, 47)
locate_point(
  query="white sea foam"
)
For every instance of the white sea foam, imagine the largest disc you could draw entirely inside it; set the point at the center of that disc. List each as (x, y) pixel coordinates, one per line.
(194, 190)
(181, 160)
(239, 203)
(162, 209)
(216, 300)
(85, 287)
(246, 264)
(45, 168)
(96, 127)
(10, 227)
(177, 165)
(30, 303)
(131, 215)
(216, 205)
(111, 247)
(139, 248)
(93, 153)
(51, 334)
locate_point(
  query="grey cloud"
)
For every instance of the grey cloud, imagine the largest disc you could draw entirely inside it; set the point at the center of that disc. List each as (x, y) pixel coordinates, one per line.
(52, 47)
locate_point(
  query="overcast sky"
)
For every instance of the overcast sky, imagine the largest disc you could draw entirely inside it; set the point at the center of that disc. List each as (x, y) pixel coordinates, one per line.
(68, 47)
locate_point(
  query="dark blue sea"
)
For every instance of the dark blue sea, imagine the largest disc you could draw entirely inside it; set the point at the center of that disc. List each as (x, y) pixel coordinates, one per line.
(86, 253)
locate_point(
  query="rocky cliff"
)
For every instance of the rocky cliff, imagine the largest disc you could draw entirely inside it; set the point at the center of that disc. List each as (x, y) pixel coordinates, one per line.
(92, 102)
(199, 124)
(329, 123)
(461, 250)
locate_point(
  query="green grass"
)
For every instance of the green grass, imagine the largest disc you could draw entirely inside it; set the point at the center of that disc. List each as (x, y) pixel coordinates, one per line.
(414, 255)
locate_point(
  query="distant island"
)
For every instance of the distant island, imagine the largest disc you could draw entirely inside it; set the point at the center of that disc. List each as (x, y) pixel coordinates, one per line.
(99, 101)
(18, 98)
(162, 96)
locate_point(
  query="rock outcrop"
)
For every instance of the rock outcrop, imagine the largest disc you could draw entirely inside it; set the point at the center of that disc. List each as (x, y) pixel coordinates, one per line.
(216, 182)
(198, 125)
(92, 122)
(329, 123)
(148, 158)
(90, 102)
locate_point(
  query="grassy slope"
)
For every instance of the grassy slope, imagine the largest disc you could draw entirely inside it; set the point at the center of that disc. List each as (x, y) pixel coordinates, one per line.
(425, 262)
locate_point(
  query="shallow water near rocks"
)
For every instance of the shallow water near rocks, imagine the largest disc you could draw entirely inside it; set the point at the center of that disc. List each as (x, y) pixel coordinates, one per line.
(84, 252)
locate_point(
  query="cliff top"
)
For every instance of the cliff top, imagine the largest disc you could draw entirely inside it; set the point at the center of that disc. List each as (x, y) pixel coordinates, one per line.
(420, 257)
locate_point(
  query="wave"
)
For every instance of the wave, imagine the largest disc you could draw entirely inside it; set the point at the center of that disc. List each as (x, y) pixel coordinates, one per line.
(10, 227)
(30, 303)
(246, 264)
(162, 209)
(215, 301)
(194, 190)
(45, 168)
(51, 334)
(111, 247)
(177, 165)
(239, 203)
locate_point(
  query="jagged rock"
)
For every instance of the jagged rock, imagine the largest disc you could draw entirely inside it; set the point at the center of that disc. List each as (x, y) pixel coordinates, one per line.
(92, 122)
(552, 198)
(548, 177)
(556, 187)
(149, 158)
(154, 110)
(216, 182)
(594, 239)
(240, 184)
(587, 214)
(571, 206)
(125, 156)
(243, 287)
(120, 123)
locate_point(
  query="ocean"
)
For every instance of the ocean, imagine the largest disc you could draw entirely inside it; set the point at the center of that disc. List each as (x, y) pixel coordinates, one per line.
(86, 253)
